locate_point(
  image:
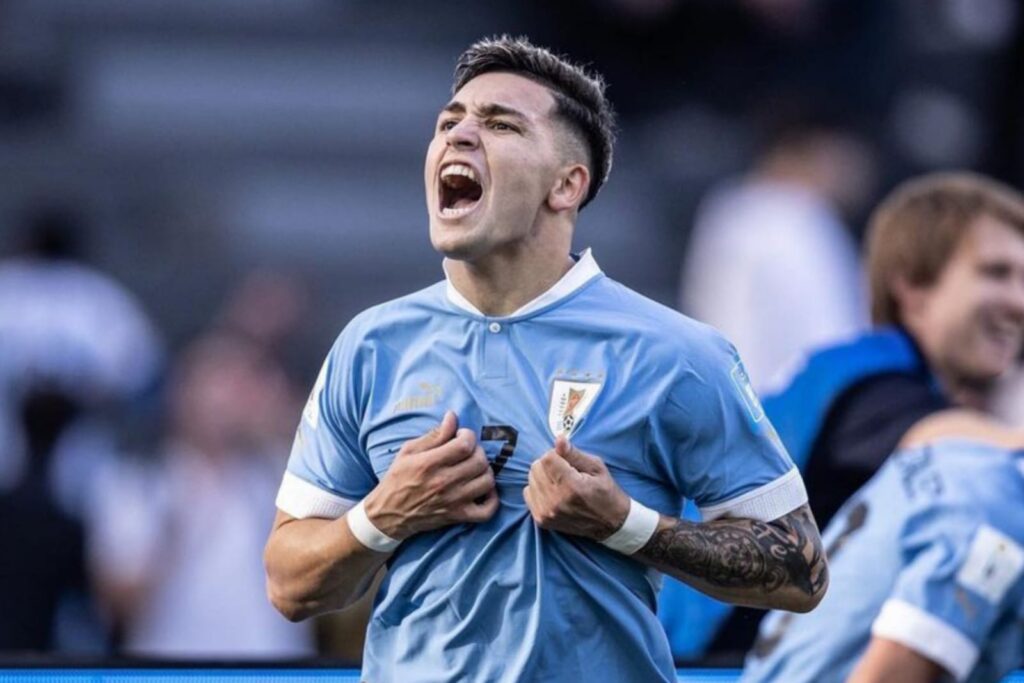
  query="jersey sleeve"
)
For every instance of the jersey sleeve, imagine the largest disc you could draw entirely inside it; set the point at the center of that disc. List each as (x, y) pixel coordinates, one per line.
(961, 576)
(328, 471)
(718, 446)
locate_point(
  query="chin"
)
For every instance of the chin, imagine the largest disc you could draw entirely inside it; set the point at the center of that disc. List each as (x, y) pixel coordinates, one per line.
(461, 242)
(453, 247)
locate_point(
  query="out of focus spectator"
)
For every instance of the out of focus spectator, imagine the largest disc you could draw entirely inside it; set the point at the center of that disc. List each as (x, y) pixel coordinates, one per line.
(946, 263)
(770, 262)
(73, 333)
(43, 547)
(946, 257)
(267, 307)
(772, 265)
(69, 324)
(178, 551)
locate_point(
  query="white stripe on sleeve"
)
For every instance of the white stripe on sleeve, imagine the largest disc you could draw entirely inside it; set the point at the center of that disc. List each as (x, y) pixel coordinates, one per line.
(765, 503)
(927, 635)
(300, 499)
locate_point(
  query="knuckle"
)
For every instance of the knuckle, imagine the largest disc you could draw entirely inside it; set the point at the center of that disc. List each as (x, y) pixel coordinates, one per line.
(466, 439)
(441, 482)
(480, 460)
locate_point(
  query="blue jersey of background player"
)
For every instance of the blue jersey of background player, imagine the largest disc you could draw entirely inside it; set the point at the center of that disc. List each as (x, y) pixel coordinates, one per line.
(436, 438)
(927, 566)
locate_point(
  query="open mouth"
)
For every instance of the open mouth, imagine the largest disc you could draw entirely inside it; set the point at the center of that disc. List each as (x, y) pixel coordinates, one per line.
(460, 190)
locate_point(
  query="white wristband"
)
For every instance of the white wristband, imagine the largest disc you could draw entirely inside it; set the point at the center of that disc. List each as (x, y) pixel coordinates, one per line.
(366, 533)
(641, 523)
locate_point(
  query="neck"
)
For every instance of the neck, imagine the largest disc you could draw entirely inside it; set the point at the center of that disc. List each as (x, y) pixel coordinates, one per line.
(503, 282)
(966, 393)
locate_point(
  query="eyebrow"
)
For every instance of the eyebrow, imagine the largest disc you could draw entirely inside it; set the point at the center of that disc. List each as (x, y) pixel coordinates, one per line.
(487, 110)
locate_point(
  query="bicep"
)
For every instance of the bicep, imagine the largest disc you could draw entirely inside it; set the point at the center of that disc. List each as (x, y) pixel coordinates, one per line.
(887, 660)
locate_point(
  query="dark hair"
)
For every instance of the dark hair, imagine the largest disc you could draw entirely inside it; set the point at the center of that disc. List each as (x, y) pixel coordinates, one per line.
(53, 232)
(579, 95)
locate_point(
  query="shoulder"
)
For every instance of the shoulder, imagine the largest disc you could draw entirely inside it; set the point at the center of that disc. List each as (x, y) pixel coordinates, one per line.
(961, 475)
(391, 319)
(668, 339)
(966, 425)
(382, 331)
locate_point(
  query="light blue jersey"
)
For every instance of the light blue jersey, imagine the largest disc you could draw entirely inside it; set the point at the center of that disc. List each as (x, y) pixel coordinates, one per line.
(661, 398)
(929, 554)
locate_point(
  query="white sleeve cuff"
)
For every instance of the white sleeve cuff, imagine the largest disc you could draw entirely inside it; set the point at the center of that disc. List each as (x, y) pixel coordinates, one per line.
(300, 499)
(765, 503)
(641, 523)
(927, 635)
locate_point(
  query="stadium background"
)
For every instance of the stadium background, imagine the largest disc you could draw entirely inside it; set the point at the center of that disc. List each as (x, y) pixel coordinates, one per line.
(257, 165)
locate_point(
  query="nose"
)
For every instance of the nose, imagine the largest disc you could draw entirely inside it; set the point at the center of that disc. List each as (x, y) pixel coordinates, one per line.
(463, 135)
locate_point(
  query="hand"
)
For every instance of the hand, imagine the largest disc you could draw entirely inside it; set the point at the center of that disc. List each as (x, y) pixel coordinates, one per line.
(572, 492)
(436, 480)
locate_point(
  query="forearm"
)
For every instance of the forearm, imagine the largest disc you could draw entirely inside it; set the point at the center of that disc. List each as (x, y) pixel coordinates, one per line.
(885, 660)
(771, 565)
(316, 565)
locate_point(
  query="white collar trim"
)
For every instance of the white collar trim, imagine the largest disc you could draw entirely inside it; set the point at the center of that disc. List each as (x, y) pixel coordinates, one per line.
(584, 270)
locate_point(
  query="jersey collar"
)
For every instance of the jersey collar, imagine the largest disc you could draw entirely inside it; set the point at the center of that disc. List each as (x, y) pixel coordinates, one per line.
(581, 273)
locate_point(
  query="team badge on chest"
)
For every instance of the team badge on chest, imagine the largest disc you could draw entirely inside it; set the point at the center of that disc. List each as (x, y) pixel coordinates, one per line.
(570, 401)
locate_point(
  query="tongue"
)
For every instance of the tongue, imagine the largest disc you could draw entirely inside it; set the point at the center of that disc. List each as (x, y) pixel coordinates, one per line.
(463, 203)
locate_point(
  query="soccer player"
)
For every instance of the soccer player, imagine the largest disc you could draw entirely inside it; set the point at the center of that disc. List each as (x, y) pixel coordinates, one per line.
(927, 566)
(946, 266)
(437, 437)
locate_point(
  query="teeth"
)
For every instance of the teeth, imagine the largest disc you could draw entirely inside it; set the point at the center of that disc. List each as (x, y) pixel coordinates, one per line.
(459, 169)
(455, 213)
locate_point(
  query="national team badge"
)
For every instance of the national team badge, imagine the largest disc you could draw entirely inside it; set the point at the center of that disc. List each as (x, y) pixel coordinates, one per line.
(570, 401)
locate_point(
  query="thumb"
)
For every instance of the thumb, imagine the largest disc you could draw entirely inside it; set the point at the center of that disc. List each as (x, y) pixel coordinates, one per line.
(577, 458)
(439, 435)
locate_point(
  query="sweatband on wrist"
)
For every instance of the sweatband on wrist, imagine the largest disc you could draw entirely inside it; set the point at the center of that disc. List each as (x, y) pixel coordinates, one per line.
(641, 523)
(368, 534)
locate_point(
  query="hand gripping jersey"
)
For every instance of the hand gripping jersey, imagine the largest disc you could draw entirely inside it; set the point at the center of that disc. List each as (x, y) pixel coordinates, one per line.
(662, 399)
(929, 554)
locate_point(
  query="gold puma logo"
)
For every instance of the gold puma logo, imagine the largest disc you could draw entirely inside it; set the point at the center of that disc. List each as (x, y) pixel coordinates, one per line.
(427, 397)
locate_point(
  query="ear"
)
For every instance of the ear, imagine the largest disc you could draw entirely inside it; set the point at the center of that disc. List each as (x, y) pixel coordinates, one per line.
(570, 189)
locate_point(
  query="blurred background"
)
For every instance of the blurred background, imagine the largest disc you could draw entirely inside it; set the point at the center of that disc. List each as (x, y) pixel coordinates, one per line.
(197, 195)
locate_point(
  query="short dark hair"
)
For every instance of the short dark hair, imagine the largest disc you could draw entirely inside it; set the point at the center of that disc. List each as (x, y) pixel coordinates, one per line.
(579, 94)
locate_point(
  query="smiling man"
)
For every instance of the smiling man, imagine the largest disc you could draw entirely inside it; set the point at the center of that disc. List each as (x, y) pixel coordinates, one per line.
(436, 439)
(946, 268)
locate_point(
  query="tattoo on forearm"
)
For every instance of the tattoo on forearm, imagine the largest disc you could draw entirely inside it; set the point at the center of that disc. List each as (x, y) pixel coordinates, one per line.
(742, 553)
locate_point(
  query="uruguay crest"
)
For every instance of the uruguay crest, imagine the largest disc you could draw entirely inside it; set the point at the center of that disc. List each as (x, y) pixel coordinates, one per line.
(570, 401)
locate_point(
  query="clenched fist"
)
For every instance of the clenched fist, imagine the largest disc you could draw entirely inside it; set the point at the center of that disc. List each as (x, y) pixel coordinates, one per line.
(572, 492)
(436, 480)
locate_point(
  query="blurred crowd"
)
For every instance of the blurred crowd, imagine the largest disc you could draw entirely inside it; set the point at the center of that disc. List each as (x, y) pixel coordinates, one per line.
(139, 485)
(139, 465)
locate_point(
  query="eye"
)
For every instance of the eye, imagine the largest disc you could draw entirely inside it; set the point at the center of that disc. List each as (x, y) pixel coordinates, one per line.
(446, 125)
(504, 127)
(996, 270)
